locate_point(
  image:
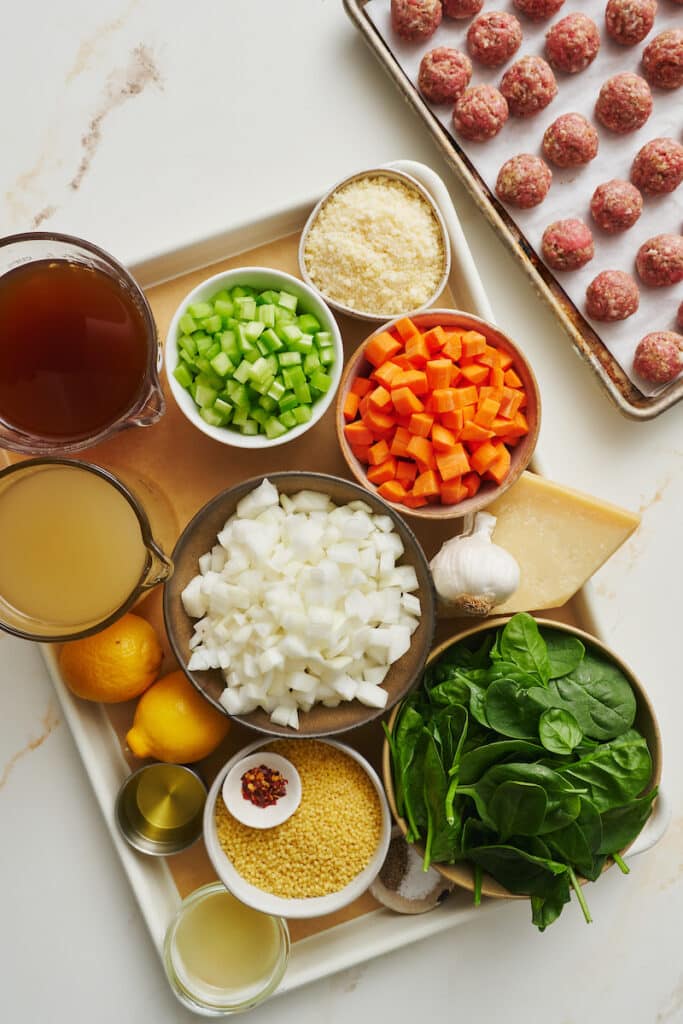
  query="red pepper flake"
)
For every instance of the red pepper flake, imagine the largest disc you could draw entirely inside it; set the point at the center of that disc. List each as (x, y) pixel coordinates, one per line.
(263, 786)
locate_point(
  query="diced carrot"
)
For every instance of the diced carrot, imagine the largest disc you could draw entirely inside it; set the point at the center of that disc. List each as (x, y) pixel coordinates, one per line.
(361, 386)
(519, 426)
(429, 404)
(453, 491)
(508, 440)
(414, 501)
(378, 453)
(490, 392)
(405, 401)
(523, 403)
(357, 433)
(417, 351)
(486, 412)
(363, 405)
(421, 424)
(392, 490)
(453, 463)
(443, 399)
(485, 455)
(380, 399)
(499, 426)
(361, 451)
(511, 379)
(403, 421)
(420, 448)
(406, 473)
(453, 420)
(385, 373)
(472, 481)
(439, 373)
(403, 362)
(509, 403)
(442, 438)
(464, 396)
(405, 328)
(469, 412)
(416, 380)
(500, 468)
(473, 343)
(382, 347)
(496, 377)
(505, 360)
(472, 431)
(435, 339)
(475, 373)
(378, 421)
(489, 357)
(399, 444)
(385, 471)
(426, 485)
(351, 406)
(453, 346)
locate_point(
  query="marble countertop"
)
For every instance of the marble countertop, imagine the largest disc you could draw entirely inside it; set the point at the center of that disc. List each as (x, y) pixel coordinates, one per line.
(138, 125)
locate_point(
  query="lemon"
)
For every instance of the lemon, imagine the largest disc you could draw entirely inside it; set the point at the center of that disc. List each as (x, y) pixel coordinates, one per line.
(174, 723)
(116, 664)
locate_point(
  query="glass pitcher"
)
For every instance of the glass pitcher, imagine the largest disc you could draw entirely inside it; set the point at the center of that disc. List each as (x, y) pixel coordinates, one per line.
(79, 353)
(76, 550)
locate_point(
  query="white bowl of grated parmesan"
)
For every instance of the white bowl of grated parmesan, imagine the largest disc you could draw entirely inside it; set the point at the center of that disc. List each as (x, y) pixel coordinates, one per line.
(376, 246)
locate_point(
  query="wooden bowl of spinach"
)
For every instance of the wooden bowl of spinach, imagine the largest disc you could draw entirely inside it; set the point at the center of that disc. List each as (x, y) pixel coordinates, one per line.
(525, 763)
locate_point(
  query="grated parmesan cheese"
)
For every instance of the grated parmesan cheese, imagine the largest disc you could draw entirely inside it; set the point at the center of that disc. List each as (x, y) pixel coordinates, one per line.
(376, 247)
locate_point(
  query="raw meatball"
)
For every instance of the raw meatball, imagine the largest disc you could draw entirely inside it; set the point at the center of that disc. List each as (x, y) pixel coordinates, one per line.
(444, 74)
(660, 260)
(616, 206)
(663, 59)
(567, 244)
(528, 86)
(480, 113)
(415, 19)
(462, 8)
(493, 37)
(624, 103)
(629, 21)
(659, 357)
(570, 141)
(572, 44)
(523, 181)
(658, 166)
(612, 295)
(537, 10)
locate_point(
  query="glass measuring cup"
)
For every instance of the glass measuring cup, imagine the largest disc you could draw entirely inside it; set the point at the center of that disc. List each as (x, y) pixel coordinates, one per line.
(79, 353)
(76, 550)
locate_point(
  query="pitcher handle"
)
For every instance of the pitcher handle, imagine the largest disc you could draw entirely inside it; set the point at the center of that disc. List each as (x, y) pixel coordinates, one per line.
(160, 568)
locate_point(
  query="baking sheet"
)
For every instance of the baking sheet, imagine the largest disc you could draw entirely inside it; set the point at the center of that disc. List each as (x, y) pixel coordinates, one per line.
(572, 188)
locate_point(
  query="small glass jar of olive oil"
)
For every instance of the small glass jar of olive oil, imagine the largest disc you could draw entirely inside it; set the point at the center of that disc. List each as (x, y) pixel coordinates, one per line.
(222, 957)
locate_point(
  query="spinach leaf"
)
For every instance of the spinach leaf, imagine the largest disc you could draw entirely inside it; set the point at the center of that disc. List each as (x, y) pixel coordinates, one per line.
(546, 909)
(563, 804)
(559, 731)
(453, 690)
(578, 842)
(522, 644)
(621, 825)
(451, 725)
(508, 670)
(518, 808)
(598, 695)
(404, 741)
(461, 655)
(520, 872)
(613, 773)
(413, 789)
(442, 839)
(475, 762)
(565, 652)
(512, 711)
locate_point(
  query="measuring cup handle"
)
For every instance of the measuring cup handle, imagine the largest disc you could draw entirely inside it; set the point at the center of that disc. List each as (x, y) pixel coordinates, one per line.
(160, 569)
(151, 411)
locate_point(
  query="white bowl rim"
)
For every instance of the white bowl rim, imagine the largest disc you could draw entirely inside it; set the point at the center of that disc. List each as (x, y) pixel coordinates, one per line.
(184, 400)
(377, 172)
(314, 906)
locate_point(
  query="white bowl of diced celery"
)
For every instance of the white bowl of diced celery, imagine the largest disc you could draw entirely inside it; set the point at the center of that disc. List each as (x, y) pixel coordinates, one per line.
(253, 357)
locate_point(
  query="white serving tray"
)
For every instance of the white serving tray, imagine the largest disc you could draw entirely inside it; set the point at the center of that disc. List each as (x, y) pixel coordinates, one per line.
(379, 931)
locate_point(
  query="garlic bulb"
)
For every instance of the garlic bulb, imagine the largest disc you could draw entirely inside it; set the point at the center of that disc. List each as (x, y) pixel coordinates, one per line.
(471, 573)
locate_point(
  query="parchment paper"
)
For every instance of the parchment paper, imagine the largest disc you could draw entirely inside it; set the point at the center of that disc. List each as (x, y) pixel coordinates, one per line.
(572, 187)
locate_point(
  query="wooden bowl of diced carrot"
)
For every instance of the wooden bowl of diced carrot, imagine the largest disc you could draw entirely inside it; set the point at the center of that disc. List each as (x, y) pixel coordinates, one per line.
(438, 413)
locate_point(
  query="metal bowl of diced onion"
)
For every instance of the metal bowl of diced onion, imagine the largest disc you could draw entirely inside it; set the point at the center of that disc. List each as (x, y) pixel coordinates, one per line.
(305, 614)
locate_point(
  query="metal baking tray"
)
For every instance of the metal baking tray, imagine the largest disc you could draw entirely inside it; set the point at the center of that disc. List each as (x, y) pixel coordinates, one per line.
(625, 395)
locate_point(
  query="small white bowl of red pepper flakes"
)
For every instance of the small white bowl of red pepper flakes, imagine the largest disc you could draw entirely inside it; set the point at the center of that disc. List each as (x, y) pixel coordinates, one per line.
(262, 790)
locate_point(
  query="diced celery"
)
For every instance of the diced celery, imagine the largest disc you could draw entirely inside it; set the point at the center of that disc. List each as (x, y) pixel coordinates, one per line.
(311, 363)
(262, 347)
(267, 403)
(187, 342)
(222, 296)
(303, 344)
(307, 323)
(288, 301)
(202, 364)
(276, 390)
(240, 416)
(203, 342)
(266, 314)
(205, 396)
(289, 358)
(240, 290)
(327, 356)
(243, 372)
(270, 338)
(270, 297)
(284, 316)
(302, 413)
(253, 329)
(303, 393)
(210, 380)
(260, 414)
(187, 324)
(321, 381)
(224, 408)
(210, 416)
(187, 359)
(273, 364)
(288, 401)
(245, 307)
(182, 375)
(249, 427)
(259, 370)
(221, 364)
(240, 397)
(290, 333)
(213, 351)
(263, 386)
(211, 324)
(224, 307)
(199, 310)
(323, 339)
(229, 345)
(193, 390)
(287, 419)
(296, 375)
(274, 428)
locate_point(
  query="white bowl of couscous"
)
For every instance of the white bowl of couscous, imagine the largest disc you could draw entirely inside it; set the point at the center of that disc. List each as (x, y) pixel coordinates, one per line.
(321, 858)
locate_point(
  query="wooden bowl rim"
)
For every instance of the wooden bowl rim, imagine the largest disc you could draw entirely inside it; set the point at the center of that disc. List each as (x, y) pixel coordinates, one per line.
(462, 874)
(483, 498)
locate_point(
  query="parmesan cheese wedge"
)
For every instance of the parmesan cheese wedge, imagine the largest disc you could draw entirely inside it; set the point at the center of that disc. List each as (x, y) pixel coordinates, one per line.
(559, 537)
